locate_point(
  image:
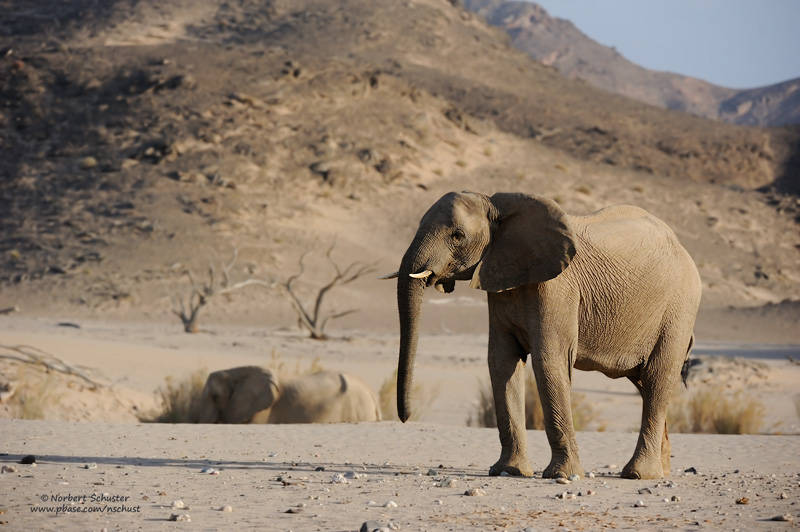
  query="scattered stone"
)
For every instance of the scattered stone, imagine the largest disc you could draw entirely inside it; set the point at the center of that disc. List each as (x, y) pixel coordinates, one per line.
(475, 492)
(319, 468)
(449, 482)
(338, 478)
(743, 500)
(370, 526)
(227, 508)
(611, 466)
(591, 492)
(573, 478)
(640, 504)
(675, 498)
(178, 505)
(390, 504)
(88, 162)
(561, 480)
(591, 474)
(438, 502)
(432, 473)
(785, 517)
(783, 496)
(27, 460)
(352, 475)
(90, 465)
(209, 471)
(293, 511)
(566, 495)
(180, 517)
(9, 469)
(645, 491)
(690, 470)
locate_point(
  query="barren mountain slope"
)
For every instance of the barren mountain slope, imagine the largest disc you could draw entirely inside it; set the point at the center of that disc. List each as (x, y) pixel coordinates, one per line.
(557, 42)
(141, 139)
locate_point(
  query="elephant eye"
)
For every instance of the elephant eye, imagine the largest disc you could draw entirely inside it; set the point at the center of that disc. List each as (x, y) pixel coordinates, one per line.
(458, 235)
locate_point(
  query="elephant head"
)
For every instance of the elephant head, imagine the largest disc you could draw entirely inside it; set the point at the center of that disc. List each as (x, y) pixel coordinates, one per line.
(236, 395)
(497, 243)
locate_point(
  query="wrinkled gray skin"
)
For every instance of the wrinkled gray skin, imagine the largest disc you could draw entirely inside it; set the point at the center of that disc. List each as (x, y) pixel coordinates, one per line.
(237, 395)
(613, 291)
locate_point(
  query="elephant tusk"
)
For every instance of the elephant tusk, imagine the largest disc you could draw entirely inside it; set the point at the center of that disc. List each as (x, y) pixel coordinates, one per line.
(421, 275)
(390, 276)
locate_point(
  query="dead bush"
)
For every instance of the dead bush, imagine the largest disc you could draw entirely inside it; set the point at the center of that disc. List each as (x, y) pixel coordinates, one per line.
(34, 393)
(421, 402)
(483, 414)
(712, 410)
(180, 399)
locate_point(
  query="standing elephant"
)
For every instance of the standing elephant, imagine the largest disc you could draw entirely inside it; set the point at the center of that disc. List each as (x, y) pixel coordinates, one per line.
(613, 291)
(236, 395)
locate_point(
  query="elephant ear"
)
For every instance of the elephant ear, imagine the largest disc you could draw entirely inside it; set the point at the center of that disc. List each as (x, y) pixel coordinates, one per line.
(532, 242)
(253, 392)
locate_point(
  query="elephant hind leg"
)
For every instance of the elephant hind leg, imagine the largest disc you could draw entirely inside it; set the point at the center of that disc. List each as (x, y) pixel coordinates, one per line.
(659, 377)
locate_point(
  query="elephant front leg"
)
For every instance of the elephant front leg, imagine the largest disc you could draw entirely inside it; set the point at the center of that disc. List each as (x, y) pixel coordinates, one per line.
(507, 372)
(553, 380)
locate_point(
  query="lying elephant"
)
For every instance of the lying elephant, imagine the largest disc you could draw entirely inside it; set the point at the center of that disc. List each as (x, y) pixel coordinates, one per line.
(236, 395)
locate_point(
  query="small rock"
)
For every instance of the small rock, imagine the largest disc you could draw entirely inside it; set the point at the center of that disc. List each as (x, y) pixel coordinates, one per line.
(432, 473)
(690, 470)
(675, 498)
(783, 496)
(665, 499)
(438, 502)
(591, 474)
(320, 468)
(27, 460)
(227, 508)
(351, 475)
(573, 478)
(785, 517)
(390, 504)
(449, 482)
(475, 492)
(743, 500)
(561, 480)
(88, 162)
(591, 492)
(180, 517)
(9, 469)
(639, 504)
(90, 465)
(370, 526)
(645, 491)
(178, 505)
(338, 478)
(611, 466)
(293, 511)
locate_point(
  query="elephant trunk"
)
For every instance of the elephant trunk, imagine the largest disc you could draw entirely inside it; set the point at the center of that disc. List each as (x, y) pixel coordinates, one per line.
(409, 303)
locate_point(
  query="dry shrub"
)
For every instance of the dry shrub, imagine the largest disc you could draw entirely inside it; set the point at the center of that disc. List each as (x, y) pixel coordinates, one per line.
(484, 414)
(34, 395)
(286, 372)
(713, 411)
(180, 400)
(421, 399)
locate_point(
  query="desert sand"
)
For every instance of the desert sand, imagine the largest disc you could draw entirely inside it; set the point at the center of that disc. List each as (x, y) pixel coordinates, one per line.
(270, 475)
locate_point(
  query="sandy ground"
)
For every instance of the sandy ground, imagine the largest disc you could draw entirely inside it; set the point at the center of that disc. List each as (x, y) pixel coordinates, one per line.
(283, 477)
(268, 474)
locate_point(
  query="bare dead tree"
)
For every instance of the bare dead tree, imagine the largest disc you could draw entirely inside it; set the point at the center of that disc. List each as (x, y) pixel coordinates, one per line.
(35, 356)
(313, 321)
(201, 296)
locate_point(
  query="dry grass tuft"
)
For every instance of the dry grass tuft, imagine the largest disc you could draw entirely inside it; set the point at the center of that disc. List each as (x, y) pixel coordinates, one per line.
(713, 411)
(286, 371)
(35, 393)
(421, 403)
(180, 400)
(484, 414)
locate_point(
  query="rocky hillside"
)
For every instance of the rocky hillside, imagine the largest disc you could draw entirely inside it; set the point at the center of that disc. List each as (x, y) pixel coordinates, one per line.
(559, 43)
(140, 139)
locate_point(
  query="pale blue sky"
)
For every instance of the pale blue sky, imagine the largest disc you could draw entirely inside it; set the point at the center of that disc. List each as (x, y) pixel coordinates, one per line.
(734, 43)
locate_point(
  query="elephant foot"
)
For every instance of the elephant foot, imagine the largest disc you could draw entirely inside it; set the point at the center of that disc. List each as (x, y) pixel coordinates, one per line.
(563, 468)
(643, 469)
(515, 467)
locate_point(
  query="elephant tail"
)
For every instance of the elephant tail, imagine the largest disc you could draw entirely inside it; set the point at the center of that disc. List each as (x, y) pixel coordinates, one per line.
(688, 363)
